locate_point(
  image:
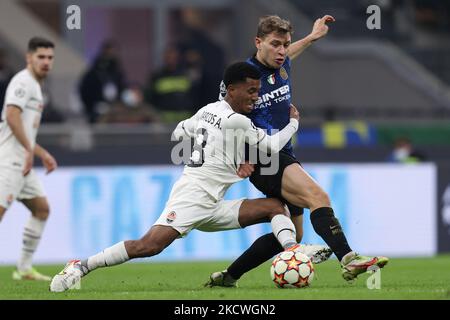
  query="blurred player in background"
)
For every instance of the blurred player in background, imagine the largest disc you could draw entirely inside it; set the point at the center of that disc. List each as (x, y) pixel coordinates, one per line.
(220, 132)
(292, 184)
(20, 120)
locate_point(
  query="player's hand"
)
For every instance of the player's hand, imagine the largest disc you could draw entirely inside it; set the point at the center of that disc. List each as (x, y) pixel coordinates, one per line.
(49, 162)
(293, 113)
(320, 28)
(245, 170)
(29, 158)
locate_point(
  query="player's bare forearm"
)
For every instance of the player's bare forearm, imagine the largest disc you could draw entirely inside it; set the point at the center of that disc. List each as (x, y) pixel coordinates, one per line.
(319, 30)
(274, 143)
(47, 159)
(13, 118)
(296, 48)
(40, 151)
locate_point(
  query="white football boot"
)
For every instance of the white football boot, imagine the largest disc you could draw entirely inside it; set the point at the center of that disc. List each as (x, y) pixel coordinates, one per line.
(31, 274)
(315, 252)
(69, 277)
(353, 264)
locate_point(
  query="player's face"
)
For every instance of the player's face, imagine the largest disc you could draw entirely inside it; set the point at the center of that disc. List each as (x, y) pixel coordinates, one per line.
(245, 95)
(41, 61)
(273, 49)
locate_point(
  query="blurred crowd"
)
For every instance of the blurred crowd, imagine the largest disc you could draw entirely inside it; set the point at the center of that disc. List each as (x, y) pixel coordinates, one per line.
(403, 151)
(173, 91)
(186, 78)
(191, 69)
(6, 73)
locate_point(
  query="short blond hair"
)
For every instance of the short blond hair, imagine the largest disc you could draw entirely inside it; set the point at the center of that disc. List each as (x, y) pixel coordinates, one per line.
(273, 23)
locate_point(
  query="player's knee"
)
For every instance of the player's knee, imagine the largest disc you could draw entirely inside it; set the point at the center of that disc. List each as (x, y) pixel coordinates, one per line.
(276, 208)
(325, 199)
(42, 212)
(319, 198)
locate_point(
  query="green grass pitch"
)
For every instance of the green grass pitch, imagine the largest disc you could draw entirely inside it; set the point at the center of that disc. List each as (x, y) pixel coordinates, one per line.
(406, 278)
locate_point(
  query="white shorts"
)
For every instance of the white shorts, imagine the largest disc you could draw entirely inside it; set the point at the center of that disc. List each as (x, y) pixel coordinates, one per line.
(191, 207)
(13, 185)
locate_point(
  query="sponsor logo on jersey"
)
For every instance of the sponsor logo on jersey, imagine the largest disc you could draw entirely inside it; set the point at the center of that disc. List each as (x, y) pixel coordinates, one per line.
(271, 79)
(171, 216)
(17, 164)
(283, 73)
(276, 95)
(19, 93)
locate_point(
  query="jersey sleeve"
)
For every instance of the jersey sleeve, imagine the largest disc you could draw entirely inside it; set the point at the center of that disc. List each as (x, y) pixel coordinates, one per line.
(186, 128)
(253, 135)
(17, 94)
(268, 143)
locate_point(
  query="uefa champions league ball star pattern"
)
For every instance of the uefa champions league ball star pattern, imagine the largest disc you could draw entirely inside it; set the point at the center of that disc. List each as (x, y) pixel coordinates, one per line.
(292, 269)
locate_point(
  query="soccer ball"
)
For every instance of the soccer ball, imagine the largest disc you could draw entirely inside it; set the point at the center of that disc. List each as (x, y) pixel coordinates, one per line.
(292, 269)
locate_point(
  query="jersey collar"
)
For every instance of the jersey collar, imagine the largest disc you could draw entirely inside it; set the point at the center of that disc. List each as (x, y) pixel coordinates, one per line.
(259, 64)
(227, 105)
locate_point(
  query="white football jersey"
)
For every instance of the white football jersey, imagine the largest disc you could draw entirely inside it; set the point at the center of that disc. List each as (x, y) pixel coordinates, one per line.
(219, 136)
(24, 92)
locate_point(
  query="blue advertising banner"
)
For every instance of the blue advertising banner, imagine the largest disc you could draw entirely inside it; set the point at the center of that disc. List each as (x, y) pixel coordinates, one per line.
(379, 205)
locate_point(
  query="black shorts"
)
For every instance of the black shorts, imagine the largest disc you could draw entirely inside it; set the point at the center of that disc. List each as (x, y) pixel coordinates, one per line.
(270, 185)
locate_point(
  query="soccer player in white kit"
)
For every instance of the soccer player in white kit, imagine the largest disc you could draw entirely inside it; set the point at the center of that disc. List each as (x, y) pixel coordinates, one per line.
(20, 120)
(196, 200)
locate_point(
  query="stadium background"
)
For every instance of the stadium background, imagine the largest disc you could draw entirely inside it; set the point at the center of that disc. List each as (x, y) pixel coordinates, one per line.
(358, 90)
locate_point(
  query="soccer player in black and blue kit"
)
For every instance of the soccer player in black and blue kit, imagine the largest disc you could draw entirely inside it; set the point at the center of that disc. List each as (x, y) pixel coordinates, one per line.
(291, 184)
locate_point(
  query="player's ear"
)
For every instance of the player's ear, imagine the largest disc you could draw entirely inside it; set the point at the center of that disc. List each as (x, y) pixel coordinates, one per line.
(230, 89)
(258, 42)
(28, 57)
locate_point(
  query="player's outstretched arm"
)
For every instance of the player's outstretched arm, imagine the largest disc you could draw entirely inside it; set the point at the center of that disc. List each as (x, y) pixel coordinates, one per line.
(276, 142)
(319, 30)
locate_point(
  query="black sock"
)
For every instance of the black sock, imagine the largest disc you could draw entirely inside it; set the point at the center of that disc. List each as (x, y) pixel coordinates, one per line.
(328, 227)
(264, 248)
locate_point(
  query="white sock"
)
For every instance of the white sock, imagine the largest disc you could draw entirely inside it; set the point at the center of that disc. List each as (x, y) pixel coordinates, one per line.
(283, 228)
(111, 256)
(31, 236)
